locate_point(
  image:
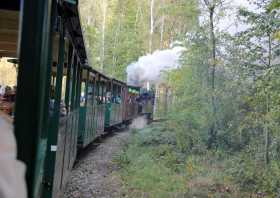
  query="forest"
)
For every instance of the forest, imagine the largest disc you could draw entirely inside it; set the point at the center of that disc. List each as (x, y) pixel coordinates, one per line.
(221, 134)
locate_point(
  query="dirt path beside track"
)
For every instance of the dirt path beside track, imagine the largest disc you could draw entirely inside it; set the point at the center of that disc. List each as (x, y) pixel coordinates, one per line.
(93, 174)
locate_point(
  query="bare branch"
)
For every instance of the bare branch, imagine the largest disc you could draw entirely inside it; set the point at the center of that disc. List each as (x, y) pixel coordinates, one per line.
(207, 3)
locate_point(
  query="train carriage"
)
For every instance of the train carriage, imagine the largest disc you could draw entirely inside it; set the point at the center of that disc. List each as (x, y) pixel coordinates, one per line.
(94, 86)
(115, 103)
(64, 100)
(51, 54)
(87, 126)
(61, 102)
(100, 110)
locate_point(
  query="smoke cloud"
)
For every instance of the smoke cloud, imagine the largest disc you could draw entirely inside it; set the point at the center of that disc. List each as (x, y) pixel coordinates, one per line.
(149, 67)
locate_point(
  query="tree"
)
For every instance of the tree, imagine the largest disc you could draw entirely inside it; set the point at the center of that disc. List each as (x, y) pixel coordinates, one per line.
(117, 32)
(211, 7)
(262, 49)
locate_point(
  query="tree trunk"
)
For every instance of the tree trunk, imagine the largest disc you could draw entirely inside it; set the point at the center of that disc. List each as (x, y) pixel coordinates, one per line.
(162, 26)
(104, 6)
(162, 31)
(114, 57)
(152, 2)
(213, 40)
(155, 109)
(266, 128)
(213, 128)
(266, 132)
(269, 49)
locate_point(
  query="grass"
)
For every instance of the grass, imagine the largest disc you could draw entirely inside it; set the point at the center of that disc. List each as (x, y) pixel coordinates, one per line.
(152, 166)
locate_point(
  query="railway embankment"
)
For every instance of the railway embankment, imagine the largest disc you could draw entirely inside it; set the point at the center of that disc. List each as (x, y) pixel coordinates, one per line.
(156, 163)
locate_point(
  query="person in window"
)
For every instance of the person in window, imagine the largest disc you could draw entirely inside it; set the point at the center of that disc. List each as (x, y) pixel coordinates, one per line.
(63, 110)
(118, 99)
(52, 100)
(2, 90)
(108, 97)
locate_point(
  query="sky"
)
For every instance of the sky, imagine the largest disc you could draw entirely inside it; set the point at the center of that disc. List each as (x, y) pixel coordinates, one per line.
(230, 22)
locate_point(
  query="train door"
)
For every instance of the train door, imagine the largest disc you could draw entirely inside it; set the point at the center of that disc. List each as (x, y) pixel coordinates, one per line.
(124, 105)
(91, 107)
(31, 115)
(100, 103)
(108, 107)
(83, 118)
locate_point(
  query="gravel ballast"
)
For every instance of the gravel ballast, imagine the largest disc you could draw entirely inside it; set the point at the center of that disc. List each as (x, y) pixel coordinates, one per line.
(93, 175)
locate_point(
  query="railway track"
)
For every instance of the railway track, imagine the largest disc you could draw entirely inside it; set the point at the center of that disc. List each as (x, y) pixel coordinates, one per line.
(93, 173)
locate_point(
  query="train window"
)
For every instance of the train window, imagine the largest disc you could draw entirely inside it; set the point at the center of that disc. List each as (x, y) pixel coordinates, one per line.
(96, 91)
(90, 93)
(104, 92)
(118, 98)
(69, 72)
(73, 82)
(94, 88)
(63, 109)
(78, 85)
(58, 85)
(101, 92)
(83, 94)
(63, 90)
(53, 85)
(108, 96)
(8, 80)
(113, 93)
(53, 73)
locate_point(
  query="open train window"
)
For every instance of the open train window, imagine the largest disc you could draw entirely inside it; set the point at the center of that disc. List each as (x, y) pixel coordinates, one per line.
(8, 78)
(58, 78)
(83, 94)
(102, 92)
(9, 26)
(99, 92)
(90, 93)
(69, 77)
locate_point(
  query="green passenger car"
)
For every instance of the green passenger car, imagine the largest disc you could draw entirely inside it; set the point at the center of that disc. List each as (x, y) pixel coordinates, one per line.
(114, 104)
(61, 102)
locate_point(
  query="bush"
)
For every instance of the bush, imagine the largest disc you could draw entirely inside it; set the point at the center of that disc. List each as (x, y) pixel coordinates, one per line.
(151, 164)
(254, 176)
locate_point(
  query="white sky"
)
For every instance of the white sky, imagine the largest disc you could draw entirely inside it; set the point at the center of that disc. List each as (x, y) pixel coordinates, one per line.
(230, 22)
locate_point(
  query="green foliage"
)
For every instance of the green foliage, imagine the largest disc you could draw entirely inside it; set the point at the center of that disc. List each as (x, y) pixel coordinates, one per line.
(252, 177)
(246, 104)
(191, 114)
(127, 30)
(246, 95)
(153, 164)
(275, 4)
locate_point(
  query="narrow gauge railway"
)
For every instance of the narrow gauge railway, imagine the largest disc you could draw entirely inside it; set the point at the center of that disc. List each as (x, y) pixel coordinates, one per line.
(62, 104)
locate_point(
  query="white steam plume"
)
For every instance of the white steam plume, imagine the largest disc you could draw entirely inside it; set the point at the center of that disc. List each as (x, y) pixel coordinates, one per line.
(149, 67)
